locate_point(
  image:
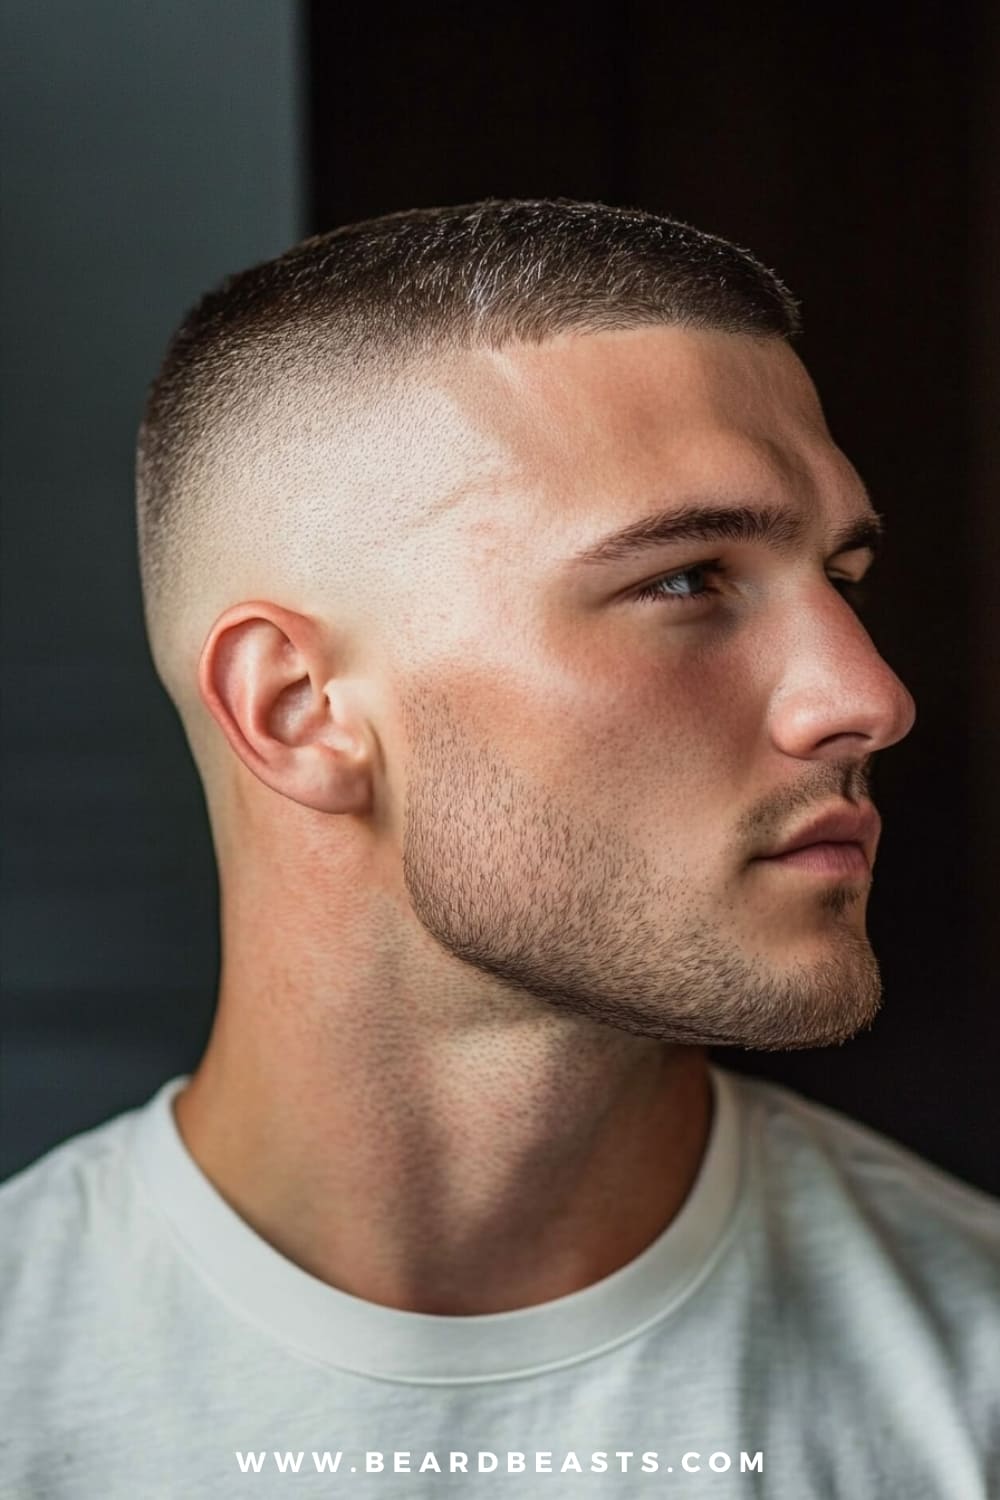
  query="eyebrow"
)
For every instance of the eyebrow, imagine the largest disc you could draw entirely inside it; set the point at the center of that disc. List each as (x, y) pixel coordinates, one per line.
(735, 523)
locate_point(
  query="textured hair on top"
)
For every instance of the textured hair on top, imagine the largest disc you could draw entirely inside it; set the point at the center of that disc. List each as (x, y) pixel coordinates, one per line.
(362, 302)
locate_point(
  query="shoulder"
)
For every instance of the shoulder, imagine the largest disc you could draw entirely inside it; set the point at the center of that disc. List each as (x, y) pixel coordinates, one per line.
(67, 1165)
(839, 1183)
(796, 1128)
(877, 1277)
(62, 1219)
(796, 1122)
(62, 1188)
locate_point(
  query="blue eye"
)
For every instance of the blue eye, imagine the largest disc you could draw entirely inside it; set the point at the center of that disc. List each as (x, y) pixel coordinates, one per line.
(688, 586)
(669, 588)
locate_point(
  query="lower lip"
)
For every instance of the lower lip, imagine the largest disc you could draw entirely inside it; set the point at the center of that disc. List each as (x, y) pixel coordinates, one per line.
(842, 861)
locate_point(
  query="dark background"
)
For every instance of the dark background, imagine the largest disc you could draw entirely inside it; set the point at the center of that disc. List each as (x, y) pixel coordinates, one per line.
(150, 149)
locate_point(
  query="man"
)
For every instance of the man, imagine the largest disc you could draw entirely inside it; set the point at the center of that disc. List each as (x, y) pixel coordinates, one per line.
(504, 574)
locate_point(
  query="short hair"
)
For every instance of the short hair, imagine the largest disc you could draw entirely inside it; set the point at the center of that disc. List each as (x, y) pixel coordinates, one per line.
(362, 302)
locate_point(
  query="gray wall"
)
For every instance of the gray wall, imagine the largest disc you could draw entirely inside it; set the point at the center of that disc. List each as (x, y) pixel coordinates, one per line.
(146, 150)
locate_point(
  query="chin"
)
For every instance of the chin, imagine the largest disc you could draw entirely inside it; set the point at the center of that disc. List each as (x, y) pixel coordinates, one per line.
(828, 1031)
(814, 931)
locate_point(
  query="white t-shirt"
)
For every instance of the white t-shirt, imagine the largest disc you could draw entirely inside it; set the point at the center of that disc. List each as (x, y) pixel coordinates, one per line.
(821, 1319)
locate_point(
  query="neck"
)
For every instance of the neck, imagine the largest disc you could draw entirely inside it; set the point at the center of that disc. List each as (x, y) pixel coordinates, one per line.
(408, 1132)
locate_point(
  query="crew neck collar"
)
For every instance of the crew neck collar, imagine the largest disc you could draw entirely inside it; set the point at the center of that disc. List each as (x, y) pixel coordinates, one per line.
(261, 1285)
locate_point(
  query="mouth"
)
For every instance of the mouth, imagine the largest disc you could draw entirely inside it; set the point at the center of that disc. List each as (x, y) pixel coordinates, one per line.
(828, 859)
(840, 843)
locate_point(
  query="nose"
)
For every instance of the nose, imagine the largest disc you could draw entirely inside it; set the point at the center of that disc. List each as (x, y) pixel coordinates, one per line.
(835, 697)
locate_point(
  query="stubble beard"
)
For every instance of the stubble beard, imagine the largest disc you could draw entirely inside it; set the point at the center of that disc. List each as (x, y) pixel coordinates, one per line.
(507, 880)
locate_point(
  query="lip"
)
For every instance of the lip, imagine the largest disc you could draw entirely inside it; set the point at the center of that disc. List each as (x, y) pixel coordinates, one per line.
(844, 861)
(826, 843)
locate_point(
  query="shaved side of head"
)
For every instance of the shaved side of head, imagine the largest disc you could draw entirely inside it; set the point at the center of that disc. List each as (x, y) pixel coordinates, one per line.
(285, 442)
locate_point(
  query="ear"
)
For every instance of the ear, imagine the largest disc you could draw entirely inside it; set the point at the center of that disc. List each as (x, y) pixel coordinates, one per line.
(264, 677)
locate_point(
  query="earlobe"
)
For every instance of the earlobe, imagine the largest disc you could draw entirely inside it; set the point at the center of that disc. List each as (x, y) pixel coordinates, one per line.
(263, 678)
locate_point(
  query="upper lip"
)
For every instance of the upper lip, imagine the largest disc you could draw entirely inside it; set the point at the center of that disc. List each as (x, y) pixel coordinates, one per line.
(846, 824)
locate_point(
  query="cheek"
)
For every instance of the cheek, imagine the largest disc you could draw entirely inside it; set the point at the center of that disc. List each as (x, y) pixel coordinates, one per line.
(677, 733)
(634, 735)
(617, 724)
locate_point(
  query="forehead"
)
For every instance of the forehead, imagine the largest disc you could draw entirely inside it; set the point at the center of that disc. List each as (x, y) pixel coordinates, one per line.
(588, 427)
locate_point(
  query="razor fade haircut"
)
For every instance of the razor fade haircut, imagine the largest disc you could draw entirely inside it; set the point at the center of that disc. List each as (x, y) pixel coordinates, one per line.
(259, 450)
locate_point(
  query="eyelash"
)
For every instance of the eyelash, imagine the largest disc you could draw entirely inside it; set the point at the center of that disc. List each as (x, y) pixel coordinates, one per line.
(853, 590)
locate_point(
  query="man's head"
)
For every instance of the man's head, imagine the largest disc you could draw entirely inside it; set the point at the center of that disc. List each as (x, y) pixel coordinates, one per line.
(377, 479)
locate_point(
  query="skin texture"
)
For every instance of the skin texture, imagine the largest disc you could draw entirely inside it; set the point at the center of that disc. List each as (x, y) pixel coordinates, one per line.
(487, 863)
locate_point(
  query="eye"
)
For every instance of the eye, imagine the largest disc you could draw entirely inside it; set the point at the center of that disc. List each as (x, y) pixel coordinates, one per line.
(687, 586)
(684, 586)
(854, 590)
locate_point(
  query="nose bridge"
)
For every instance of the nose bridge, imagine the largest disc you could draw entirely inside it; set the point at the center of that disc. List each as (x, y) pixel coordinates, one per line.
(835, 694)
